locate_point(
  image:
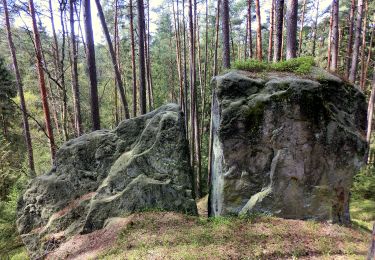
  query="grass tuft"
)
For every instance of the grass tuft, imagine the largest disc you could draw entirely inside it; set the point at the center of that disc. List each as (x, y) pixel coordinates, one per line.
(300, 65)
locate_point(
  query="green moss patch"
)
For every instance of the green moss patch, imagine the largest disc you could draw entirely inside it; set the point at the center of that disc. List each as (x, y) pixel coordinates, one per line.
(300, 65)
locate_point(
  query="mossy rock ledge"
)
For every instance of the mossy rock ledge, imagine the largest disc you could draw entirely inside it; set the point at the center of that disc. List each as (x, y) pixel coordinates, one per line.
(285, 144)
(142, 164)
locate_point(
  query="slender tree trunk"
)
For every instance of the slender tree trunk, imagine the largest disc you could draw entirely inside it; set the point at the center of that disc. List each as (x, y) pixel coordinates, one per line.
(178, 56)
(369, 54)
(120, 85)
(225, 28)
(141, 54)
(335, 36)
(279, 17)
(259, 31)
(329, 51)
(148, 60)
(301, 29)
(74, 70)
(315, 32)
(118, 61)
(270, 38)
(249, 28)
(185, 72)
(216, 38)
(26, 127)
(91, 65)
(134, 69)
(42, 84)
(370, 109)
(357, 40)
(291, 29)
(350, 39)
(363, 48)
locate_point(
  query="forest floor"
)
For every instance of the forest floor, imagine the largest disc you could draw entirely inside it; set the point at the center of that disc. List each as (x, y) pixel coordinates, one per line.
(167, 235)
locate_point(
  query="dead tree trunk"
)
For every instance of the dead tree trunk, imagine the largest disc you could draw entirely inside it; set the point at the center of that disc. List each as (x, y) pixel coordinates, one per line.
(42, 84)
(26, 127)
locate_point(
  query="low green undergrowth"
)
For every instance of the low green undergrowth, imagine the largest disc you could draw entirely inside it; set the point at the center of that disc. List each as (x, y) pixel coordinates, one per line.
(300, 65)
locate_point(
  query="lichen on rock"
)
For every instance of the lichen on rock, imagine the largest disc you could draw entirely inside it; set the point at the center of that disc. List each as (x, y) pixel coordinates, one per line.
(285, 144)
(142, 164)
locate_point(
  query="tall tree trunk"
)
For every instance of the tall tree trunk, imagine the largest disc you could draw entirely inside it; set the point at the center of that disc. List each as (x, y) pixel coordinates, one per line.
(371, 253)
(91, 65)
(329, 50)
(357, 40)
(225, 28)
(363, 48)
(120, 85)
(141, 54)
(259, 31)
(301, 29)
(148, 61)
(315, 32)
(279, 17)
(291, 29)
(270, 38)
(186, 110)
(134, 69)
(26, 127)
(74, 70)
(335, 36)
(249, 28)
(118, 60)
(42, 84)
(178, 54)
(349, 48)
(216, 38)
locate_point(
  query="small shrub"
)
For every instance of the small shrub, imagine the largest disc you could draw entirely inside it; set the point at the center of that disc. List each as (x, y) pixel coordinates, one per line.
(364, 184)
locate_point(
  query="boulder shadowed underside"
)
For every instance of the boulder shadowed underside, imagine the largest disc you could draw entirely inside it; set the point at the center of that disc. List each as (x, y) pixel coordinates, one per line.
(285, 144)
(142, 164)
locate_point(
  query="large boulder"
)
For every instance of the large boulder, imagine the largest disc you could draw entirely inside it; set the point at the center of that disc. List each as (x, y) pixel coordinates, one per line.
(285, 144)
(140, 165)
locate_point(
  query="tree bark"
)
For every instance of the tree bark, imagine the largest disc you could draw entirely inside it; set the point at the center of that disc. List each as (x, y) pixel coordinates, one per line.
(42, 84)
(301, 29)
(186, 110)
(349, 48)
(74, 71)
(120, 85)
(335, 35)
(315, 32)
(291, 29)
(216, 38)
(371, 253)
(141, 55)
(249, 28)
(370, 110)
(369, 54)
(329, 50)
(271, 36)
(357, 40)
(134, 69)
(225, 31)
(279, 17)
(259, 31)
(363, 48)
(91, 66)
(26, 127)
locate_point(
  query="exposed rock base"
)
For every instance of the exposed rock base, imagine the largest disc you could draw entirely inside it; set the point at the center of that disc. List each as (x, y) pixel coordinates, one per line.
(285, 145)
(142, 164)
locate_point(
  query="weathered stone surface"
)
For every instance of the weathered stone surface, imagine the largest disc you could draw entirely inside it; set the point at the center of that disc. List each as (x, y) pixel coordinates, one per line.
(285, 145)
(142, 164)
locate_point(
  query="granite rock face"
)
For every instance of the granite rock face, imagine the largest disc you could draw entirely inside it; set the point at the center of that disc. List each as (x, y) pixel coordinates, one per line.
(142, 164)
(285, 144)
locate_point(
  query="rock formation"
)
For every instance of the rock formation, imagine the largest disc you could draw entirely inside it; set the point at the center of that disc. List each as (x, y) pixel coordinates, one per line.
(142, 164)
(285, 144)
